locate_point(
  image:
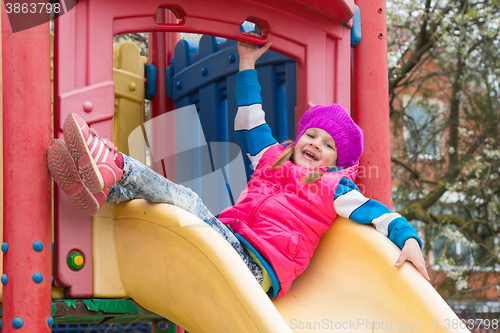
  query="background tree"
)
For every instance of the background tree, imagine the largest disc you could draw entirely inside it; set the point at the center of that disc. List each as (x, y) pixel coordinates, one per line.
(444, 104)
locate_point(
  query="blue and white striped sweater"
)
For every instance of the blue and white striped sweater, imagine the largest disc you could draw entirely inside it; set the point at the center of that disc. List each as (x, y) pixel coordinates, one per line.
(256, 137)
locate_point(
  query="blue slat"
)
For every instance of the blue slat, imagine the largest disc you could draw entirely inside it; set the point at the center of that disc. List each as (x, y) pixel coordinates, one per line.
(356, 27)
(291, 98)
(150, 75)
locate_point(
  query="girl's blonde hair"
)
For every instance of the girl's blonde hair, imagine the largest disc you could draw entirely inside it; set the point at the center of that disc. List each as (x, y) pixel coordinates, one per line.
(287, 155)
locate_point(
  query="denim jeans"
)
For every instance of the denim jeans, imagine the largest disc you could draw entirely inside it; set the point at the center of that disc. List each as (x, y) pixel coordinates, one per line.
(140, 182)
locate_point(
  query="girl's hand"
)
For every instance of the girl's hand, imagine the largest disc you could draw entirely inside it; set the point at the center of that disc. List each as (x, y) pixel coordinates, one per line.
(411, 252)
(249, 53)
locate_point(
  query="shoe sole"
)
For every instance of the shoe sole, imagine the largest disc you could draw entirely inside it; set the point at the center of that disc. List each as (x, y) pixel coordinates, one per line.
(80, 152)
(63, 170)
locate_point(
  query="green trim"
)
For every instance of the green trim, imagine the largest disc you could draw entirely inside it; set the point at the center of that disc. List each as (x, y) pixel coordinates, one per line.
(104, 311)
(100, 311)
(70, 303)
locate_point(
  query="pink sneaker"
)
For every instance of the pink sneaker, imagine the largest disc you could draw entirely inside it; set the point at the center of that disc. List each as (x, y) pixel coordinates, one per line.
(65, 173)
(95, 157)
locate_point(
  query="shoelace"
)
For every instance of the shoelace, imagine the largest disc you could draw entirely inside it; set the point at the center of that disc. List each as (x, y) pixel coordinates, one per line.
(102, 146)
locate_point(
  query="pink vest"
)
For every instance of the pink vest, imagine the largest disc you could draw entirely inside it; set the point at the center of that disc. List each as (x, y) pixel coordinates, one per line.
(283, 218)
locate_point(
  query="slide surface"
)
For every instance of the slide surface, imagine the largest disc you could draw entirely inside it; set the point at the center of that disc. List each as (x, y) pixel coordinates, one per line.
(174, 264)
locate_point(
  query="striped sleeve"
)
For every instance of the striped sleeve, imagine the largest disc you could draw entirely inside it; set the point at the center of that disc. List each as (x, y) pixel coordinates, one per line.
(351, 204)
(250, 125)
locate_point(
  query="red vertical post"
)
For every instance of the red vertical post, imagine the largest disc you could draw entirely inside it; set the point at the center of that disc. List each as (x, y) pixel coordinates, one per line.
(370, 96)
(26, 182)
(161, 50)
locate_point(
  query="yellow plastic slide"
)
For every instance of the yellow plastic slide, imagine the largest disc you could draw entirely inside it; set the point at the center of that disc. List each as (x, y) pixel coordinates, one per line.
(172, 263)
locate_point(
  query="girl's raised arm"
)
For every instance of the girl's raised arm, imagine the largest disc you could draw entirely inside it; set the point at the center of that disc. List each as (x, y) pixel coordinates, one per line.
(250, 125)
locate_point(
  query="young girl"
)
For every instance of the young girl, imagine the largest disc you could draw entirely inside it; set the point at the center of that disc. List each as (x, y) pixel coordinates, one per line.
(291, 200)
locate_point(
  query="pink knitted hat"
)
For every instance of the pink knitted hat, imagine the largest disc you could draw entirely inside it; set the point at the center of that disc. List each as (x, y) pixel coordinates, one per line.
(336, 121)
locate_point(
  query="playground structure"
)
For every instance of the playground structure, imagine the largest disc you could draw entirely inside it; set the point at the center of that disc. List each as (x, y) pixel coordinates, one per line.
(156, 254)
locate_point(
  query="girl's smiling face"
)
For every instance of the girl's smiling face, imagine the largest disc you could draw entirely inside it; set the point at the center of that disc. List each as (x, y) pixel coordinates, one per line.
(315, 148)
